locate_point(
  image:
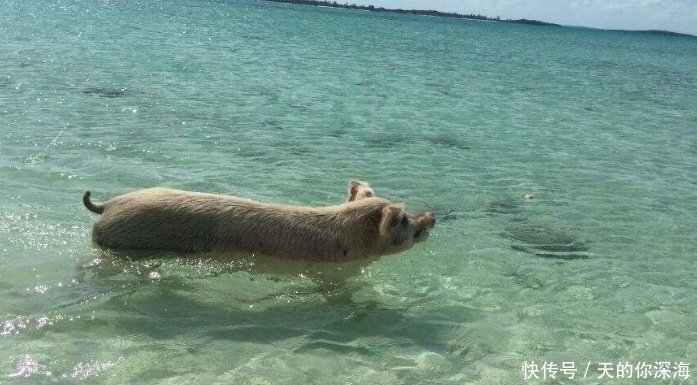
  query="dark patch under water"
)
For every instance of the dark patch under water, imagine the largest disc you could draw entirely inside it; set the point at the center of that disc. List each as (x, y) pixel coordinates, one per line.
(545, 242)
(448, 142)
(336, 133)
(273, 123)
(105, 92)
(505, 206)
(386, 142)
(527, 279)
(399, 141)
(558, 255)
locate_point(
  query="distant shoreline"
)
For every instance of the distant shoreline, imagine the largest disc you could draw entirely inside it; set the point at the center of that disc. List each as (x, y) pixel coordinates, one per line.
(657, 32)
(419, 12)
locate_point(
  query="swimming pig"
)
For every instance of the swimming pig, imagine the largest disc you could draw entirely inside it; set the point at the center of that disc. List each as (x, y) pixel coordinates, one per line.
(167, 219)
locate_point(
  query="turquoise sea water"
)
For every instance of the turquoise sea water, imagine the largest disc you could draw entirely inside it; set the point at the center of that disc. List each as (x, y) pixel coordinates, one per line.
(285, 104)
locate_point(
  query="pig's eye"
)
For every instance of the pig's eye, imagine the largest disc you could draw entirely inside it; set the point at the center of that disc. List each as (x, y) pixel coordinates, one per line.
(405, 221)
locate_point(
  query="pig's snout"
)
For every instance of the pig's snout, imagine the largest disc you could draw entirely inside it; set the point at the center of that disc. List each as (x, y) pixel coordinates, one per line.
(430, 218)
(426, 222)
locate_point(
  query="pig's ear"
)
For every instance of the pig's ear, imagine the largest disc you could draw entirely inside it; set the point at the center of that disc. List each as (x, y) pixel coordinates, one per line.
(391, 216)
(354, 188)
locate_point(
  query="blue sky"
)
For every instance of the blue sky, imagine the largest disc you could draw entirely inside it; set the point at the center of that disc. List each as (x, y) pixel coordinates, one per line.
(671, 15)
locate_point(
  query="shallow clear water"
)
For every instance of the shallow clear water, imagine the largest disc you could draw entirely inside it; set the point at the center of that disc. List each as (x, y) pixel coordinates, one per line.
(286, 104)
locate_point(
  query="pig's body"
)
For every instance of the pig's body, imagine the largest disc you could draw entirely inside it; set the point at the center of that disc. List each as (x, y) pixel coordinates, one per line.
(175, 220)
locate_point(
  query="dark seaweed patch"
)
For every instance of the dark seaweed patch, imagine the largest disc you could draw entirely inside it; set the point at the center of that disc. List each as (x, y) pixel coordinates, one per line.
(560, 255)
(272, 123)
(527, 280)
(448, 142)
(104, 92)
(336, 133)
(299, 107)
(386, 142)
(505, 206)
(545, 242)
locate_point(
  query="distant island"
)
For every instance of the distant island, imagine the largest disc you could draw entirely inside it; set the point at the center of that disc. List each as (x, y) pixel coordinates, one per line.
(417, 12)
(663, 33)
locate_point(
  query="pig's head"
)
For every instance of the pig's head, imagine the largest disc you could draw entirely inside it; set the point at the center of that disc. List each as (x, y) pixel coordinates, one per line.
(401, 230)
